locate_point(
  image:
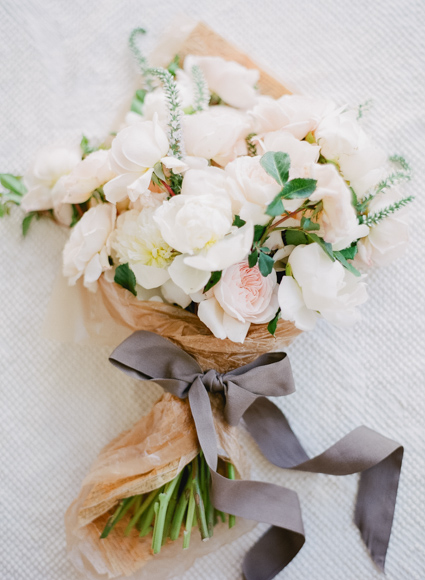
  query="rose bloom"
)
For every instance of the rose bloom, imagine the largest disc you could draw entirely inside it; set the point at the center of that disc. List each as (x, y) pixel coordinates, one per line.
(319, 288)
(241, 297)
(132, 157)
(388, 239)
(90, 173)
(229, 80)
(50, 164)
(217, 133)
(86, 252)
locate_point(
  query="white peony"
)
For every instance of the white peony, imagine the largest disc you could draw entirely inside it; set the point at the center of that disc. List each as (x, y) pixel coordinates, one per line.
(319, 287)
(388, 239)
(133, 155)
(342, 139)
(86, 252)
(50, 164)
(231, 81)
(217, 133)
(241, 297)
(295, 114)
(137, 241)
(90, 173)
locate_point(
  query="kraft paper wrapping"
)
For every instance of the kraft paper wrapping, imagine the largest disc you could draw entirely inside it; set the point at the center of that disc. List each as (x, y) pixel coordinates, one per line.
(139, 460)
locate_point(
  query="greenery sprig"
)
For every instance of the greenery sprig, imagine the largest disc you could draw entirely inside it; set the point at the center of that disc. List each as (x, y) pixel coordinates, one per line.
(374, 218)
(202, 94)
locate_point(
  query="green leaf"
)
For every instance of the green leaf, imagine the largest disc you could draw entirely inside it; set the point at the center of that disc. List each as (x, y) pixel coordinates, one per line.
(308, 225)
(340, 257)
(275, 208)
(141, 95)
(326, 247)
(298, 188)
(265, 264)
(159, 171)
(259, 232)
(295, 238)
(26, 222)
(349, 253)
(85, 146)
(137, 102)
(238, 222)
(272, 325)
(253, 258)
(13, 184)
(277, 165)
(215, 277)
(125, 277)
(174, 65)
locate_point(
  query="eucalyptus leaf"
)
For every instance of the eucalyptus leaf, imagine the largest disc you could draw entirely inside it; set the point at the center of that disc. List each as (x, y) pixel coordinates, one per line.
(298, 188)
(277, 165)
(125, 277)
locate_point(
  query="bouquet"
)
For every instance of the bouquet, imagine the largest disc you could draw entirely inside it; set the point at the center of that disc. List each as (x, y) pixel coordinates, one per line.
(227, 216)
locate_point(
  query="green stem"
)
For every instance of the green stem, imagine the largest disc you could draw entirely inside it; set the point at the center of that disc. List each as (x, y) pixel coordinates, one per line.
(142, 508)
(158, 530)
(231, 475)
(119, 513)
(181, 508)
(171, 508)
(199, 502)
(143, 517)
(189, 520)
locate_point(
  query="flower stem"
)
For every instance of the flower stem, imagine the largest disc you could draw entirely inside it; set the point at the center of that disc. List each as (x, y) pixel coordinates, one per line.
(158, 530)
(189, 519)
(231, 475)
(181, 509)
(147, 516)
(171, 508)
(119, 513)
(199, 502)
(142, 508)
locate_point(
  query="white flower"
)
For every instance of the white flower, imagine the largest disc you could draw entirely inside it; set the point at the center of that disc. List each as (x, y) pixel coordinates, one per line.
(137, 241)
(301, 153)
(188, 223)
(155, 102)
(343, 140)
(90, 173)
(229, 80)
(50, 164)
(86, 251)
(216, 134)
(295, 114)
(134, 152)
(388, 239)
(241, 297)
(319, 287)
(338, 220)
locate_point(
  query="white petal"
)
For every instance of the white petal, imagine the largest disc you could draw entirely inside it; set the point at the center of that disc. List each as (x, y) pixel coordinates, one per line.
(149, 276)
(235, 329)
(93, 270)
(116, 189)
(211, 314)
(190, 280)
(293, 307)
(177, 165)
(175, 295)
(140, 186)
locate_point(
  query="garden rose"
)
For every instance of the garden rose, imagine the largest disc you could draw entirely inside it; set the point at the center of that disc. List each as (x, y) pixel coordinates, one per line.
(241, 297)
(319, 286)
(216, 134)
(86, 252)
(49, 165)
(133, 155)
(90, 173)
(231, 81)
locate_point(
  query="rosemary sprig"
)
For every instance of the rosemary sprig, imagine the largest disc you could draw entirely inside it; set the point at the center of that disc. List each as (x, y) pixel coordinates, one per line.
(202, 94)
(374, 218)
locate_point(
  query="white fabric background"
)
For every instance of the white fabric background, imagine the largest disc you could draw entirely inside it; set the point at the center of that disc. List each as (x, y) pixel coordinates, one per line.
(65, 69)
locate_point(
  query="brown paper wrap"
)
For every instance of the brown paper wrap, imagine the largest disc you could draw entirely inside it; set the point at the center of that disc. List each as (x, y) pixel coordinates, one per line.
(150, 454)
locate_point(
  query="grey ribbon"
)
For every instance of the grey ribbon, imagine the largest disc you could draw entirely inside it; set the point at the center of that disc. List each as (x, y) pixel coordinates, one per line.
(148, 356)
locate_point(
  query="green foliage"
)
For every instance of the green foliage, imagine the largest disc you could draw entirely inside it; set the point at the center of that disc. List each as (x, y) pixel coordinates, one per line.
(308, 225)
(251, 146)
(86, 147)
(259, 231)
(265, 263)
(201, 92)
(277, 165)
(138, 101)
(295, 238)
(350, 252)
(364, 108)
(253, 258)
(13, 183)
(298, 188)
(341, 258)
(215, 277)
(174, 65)
(272, 325)
(238, 222)
(125, 277)
(374, 218)
(26, 222)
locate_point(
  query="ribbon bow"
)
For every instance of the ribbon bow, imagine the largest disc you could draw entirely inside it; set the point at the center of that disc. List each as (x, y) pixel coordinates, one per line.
(148, 356)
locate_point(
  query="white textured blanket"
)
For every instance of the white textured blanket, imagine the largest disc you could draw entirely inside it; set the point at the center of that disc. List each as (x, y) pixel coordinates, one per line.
(66, 69)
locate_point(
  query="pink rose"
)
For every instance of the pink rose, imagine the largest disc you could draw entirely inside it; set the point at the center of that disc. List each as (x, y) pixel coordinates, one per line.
(242, 296)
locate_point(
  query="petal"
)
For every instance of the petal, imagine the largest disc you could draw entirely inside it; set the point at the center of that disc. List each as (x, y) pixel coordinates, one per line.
(116, 189)
(293, 307)
(177, 165)
(190, 280)
(235, 329)
(211, 314)
(149, 276)
(175, 295)
(140, 186)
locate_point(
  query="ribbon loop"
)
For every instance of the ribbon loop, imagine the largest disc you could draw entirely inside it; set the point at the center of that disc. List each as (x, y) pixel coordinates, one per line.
(147, 356)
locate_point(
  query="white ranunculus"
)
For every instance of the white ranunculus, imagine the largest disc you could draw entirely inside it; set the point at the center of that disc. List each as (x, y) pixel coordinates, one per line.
(133, 155)
(50, 164)
(251, 189)
(342, 139)
(321, 287)
(210, 180)
(241, 297)
(388, 239)
(338, 220)
(86, 252)
(295, 114)
(301, 153)
(229, 80)
(137, 241)
(217, 133)
(90, 173)
(188, 223)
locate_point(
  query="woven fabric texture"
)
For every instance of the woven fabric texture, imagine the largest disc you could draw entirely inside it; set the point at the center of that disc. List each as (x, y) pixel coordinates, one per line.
(66, 69)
